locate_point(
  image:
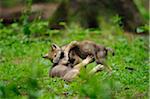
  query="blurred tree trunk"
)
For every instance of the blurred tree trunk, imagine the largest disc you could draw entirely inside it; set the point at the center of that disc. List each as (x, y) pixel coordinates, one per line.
(13, 14)
(89, 10)
(131, 17)
(60, 15)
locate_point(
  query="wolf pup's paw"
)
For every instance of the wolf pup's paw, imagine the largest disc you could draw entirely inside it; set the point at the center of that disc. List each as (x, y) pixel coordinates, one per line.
(64, 61)
(73, 42)
(88, 59)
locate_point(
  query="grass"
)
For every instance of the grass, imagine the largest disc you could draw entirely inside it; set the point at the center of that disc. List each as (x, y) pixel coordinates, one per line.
(24, 73)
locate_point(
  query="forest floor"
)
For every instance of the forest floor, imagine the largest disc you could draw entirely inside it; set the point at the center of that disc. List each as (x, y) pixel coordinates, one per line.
(24, 73)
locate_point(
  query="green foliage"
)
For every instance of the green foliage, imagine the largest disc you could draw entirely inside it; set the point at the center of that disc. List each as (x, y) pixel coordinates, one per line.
(24, 73)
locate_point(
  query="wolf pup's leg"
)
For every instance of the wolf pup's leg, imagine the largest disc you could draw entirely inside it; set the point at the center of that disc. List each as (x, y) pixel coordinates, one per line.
(96, 69)
(66, 51)
(70, 75)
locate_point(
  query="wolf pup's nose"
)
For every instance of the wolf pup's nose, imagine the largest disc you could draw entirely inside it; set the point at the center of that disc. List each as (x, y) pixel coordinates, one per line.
(45, 56)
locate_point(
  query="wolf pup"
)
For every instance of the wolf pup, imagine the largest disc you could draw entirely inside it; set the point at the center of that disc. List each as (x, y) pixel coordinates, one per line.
(68, 73)
(85, 48)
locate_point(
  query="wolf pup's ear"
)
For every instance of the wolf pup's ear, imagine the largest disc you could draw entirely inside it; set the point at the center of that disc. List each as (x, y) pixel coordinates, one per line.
(54, 46)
